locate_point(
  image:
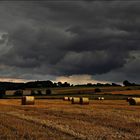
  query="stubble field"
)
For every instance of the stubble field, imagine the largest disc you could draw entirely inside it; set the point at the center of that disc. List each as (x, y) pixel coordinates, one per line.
(60, 120)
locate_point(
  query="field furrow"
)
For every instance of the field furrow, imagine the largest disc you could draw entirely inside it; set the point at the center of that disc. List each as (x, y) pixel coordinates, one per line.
(17, 126)
(56, 119)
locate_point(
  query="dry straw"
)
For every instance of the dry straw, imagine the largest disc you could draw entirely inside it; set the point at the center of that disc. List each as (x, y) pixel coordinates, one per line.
(75, 100)
(100, 98)
(65, 98)
(84, 100)
(134, 101)
(28, 100)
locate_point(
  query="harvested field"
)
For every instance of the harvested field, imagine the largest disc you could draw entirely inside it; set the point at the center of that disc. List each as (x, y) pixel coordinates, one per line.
(90, 90)
(59, 120)
(127, 92)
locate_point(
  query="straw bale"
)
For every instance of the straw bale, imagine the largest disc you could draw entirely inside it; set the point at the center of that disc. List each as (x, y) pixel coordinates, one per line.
(75, 100)
(69, 98)
(84, 100)
(134, 101)
(65, 98)
(28, 100)
(102, 98)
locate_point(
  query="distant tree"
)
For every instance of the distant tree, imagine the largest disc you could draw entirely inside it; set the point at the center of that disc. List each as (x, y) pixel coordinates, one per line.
(48, 92)
(39, 85)
(99, 84)
(126, 83)
(107, 84)
(39, 92)
(134, 84)
(89, 84)
(59, 84)
(54, 84)
(66, 84)
(48, 83)
(2, 93)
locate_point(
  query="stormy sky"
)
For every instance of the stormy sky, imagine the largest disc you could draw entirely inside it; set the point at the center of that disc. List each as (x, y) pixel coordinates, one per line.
(67, 40)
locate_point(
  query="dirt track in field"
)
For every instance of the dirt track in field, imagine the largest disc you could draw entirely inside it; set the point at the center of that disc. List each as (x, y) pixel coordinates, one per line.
(59, 120)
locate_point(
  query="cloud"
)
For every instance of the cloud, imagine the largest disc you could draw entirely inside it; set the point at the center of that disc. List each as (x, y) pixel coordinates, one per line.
(78, 79)
(63, 38)
(4, 79)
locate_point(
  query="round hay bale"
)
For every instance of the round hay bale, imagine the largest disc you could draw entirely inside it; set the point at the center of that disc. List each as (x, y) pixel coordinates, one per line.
(84, 100)
(69, 98)
(75, 100)
(102, 98)
(99, 98)
(65, 98)
(28, 100)
(134, 101)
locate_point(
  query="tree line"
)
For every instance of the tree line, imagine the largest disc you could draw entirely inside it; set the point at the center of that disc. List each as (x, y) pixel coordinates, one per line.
(50, 84)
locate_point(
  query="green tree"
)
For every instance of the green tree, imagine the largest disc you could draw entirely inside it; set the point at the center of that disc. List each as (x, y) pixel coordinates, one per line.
(126, 83)
(2, 93)
(48, 92)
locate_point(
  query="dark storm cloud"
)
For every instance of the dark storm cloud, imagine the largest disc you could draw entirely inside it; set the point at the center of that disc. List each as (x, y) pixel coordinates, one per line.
(70, 37)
